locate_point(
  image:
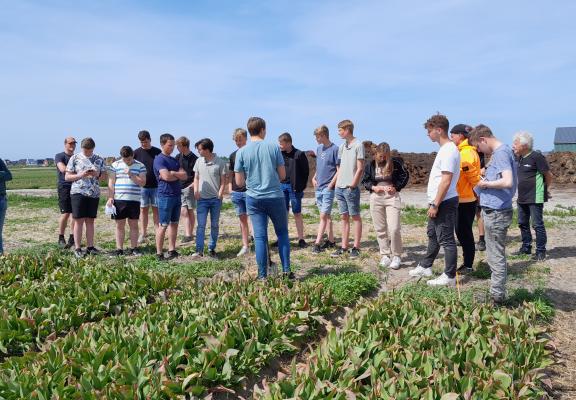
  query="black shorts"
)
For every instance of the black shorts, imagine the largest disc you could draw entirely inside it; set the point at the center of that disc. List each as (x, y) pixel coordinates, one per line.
(64, 200)
(84, 206)
(126, 209)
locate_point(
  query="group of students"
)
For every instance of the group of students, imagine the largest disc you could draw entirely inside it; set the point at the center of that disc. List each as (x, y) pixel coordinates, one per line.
(266, 180)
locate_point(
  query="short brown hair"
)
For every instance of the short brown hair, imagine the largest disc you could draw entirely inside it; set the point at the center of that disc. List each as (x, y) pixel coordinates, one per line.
(255, 125)
(346, 124)
(144, 135)
(164, 138)
(322, 130)
(183, 141)
(126, 151)
(437, 121)
(285, 137)
(238, 132)
(87, 143)
(478, 132)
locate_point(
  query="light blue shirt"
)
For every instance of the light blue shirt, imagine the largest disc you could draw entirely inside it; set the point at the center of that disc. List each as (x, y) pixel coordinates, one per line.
(259, 162)
(499, 199)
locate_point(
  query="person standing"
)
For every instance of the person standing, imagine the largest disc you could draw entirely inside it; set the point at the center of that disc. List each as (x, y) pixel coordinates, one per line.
(496, 191)
(146, 154)
(125, 178)
(64, 199)
(85, 170)
(5, 176)
(187, 160)
(534, 179)
(260, 166)
(467, 203)
(481, 245)
(209, 183)
(296, 180)
(324, 181)
(384, 177)
(168, 173)
(443, 204)
(348, 177)
(238, 193)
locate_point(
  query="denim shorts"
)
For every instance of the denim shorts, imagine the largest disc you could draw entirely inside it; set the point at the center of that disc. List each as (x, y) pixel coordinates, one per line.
(348, 200)
(169, 210)
(149, 197)
(324, 200)
(187, 198)
(292, 198)
(239, 201)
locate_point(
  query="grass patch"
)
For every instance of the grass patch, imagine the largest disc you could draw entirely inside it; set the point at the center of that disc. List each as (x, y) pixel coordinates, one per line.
(33, 178)
(198, 269)
(414, 216)
(347, 287)
(538, 298)
(41, 202)
(562, 211)
(482, 270)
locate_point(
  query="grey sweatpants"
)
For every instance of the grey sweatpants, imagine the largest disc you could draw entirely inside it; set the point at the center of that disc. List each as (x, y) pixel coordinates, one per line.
(496, 223)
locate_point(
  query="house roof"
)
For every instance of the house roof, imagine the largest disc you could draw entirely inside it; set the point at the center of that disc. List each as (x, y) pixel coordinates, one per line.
(565, 135)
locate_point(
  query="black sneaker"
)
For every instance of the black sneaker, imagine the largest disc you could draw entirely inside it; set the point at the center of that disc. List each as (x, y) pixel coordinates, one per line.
(70, 244)
(117, 253)
(339, 252)
(328, 244)
(354, 252)
(61, 242)
(212, 253)
(481, 245)
(186, 239)
(302, 244)
(523, 251)
(539, 256)
(78, 253)
(274, 244)
(92, 251)
(289, 275)
(135, 252)
(464, 269)
(160, 257)
(172, 254)
(317, 249)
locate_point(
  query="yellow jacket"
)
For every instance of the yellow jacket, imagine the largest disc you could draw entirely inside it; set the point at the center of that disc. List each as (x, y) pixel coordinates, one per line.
(469, 172)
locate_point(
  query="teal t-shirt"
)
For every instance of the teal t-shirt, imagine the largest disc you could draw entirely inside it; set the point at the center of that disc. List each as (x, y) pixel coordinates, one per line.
(259, 162)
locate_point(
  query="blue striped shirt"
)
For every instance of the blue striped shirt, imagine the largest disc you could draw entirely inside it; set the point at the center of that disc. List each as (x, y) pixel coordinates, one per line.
(125, 188)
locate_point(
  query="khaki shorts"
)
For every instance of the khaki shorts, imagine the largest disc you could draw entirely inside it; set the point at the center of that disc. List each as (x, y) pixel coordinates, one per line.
(187, 197)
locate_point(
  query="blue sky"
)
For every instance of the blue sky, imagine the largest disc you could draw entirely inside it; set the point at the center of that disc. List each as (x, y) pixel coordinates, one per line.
(108, 69)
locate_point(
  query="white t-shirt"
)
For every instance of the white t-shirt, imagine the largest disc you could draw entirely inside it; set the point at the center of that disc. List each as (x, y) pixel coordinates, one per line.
(447, 160)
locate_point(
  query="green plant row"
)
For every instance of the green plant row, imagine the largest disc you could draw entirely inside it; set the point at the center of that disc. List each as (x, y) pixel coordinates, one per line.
(17, 267)
(405, 345)
(33, 310)
(205, 337)
(347, 287)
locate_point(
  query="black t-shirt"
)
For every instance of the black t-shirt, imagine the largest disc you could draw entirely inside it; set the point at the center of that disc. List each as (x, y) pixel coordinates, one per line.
(146, 157)
(531, 183)
(63, 158)
(235, 187)
(187, 164)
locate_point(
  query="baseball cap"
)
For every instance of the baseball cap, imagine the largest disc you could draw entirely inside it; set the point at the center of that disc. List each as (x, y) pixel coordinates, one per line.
(463, 129)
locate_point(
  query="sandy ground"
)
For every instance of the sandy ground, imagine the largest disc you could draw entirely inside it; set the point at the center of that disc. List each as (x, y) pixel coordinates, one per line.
(557, 274)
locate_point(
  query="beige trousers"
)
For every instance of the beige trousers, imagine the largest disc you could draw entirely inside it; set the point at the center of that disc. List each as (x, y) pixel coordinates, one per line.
(385, 211)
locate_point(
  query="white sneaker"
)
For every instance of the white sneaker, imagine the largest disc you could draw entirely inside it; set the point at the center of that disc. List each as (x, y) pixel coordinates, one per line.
(395, 264)
(442, 280)
(197, 256)
(141, 239)
(420, 271)
(243, 251)
(385, 261)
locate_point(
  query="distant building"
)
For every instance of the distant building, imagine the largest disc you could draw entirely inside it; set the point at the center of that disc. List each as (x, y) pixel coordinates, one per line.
(565, 139)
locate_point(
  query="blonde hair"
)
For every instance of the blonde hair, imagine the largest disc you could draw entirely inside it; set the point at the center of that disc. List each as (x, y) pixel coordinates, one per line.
(383, 159)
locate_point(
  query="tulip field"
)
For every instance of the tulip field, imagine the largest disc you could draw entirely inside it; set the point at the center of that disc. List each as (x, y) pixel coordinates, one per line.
(113, 329)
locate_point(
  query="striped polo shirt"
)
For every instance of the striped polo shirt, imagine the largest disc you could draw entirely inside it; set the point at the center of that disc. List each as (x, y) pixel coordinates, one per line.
(124, 188)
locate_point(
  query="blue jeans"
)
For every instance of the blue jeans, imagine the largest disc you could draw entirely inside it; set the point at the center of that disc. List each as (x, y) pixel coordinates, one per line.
(239, 201)
(348, 200)
(3, 207)
(532, 211)
(325, 200)
(203, 206)
(169, 210)
(149, 197)
(259, 211)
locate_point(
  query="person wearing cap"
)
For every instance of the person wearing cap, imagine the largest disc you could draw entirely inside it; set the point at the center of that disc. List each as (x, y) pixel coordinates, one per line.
(85, 170)
(496, 191)
(64, 199)
(469, 177)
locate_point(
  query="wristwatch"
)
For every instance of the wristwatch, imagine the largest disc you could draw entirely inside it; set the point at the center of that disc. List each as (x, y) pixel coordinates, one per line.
(433, 205)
